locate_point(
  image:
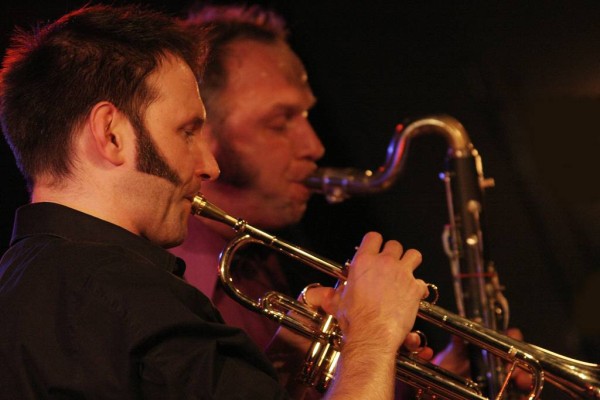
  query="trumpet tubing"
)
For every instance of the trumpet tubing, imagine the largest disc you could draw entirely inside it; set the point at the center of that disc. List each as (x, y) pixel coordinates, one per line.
(580, 379)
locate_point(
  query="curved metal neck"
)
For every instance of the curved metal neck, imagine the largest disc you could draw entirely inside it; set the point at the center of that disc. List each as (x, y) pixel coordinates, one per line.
(337, 184)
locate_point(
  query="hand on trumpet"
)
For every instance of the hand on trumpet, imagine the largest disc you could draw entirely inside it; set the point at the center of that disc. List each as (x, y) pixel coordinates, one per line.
(376, 309)
(379, 302)
(287, 349)
(322, 298)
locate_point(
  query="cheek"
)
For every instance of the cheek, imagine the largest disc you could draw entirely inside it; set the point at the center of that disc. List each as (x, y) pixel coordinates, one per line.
(185, 159)
(273, 179)
(266, 142)
(272, 165)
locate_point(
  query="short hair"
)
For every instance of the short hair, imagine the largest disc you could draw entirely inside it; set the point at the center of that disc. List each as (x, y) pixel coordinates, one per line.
(53, 76)
(217, 26)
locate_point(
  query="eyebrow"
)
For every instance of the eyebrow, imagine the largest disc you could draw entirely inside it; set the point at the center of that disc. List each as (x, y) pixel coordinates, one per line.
(286, 107)
(195, 123)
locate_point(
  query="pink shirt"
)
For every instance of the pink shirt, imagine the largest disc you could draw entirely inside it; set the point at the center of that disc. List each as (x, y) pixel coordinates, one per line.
(200, 252)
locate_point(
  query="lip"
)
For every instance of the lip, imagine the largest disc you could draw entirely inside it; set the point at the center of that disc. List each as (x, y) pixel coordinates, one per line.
(303, 191)
(308, 172)
(190, 197)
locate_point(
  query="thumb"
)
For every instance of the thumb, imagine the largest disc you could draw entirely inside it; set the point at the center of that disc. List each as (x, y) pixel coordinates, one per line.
(318, 297)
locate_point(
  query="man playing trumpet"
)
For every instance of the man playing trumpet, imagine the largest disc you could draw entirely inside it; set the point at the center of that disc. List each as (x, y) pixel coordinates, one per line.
(90, 303)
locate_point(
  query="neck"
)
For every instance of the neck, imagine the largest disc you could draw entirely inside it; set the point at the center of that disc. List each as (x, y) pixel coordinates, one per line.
(92, 199)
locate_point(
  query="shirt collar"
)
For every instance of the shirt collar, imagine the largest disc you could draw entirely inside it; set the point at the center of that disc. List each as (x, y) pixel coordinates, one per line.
(58, 220)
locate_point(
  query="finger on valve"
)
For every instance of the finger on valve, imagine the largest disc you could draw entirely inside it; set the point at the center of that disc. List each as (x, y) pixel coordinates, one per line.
(314, 296)
(381, 289)
(416, 344)
(319, 297)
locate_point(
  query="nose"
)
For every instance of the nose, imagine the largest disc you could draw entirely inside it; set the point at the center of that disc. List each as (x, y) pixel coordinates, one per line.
(308, 144)
(207, 168)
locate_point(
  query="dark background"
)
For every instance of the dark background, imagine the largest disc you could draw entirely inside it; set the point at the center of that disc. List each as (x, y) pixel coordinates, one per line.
(522, 77)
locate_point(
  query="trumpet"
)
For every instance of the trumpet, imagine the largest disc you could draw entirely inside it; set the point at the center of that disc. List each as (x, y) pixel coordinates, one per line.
(578, 378)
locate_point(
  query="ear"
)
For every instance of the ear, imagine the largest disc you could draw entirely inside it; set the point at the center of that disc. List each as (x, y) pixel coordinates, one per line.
(110, 130)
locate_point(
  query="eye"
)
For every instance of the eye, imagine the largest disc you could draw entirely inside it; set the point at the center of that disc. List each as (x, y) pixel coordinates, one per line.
(193, 128)
(188, 134)
(191, 132)
(281, 123)
(278, 127)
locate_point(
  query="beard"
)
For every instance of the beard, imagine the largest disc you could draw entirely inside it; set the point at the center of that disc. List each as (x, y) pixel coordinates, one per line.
(149, 159)
(235, 171)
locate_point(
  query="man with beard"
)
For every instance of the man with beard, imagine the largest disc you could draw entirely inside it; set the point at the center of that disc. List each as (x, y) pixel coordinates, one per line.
(103, 114)
(257, 97)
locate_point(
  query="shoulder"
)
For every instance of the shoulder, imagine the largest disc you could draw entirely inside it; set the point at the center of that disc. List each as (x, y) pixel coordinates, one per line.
(109, 272)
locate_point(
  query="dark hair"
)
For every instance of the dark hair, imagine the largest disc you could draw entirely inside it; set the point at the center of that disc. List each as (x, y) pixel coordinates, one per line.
(54, 75)
(219, 25)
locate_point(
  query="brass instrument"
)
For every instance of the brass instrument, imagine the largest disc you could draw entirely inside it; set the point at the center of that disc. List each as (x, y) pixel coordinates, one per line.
(578, 378)
(476, 285)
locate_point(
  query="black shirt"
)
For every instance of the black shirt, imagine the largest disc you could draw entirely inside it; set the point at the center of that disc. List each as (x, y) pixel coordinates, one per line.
(90, 310)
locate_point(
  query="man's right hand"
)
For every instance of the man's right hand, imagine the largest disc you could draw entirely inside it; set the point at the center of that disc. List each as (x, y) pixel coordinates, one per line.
(376, 310)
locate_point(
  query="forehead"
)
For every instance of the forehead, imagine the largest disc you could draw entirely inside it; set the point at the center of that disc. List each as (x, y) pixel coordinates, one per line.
(176, 87)
(251, 64)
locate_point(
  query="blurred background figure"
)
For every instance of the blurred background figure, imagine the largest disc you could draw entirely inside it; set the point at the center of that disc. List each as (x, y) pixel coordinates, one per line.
(257, 97)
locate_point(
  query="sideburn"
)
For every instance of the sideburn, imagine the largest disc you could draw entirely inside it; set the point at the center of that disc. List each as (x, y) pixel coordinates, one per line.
(149, 160)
